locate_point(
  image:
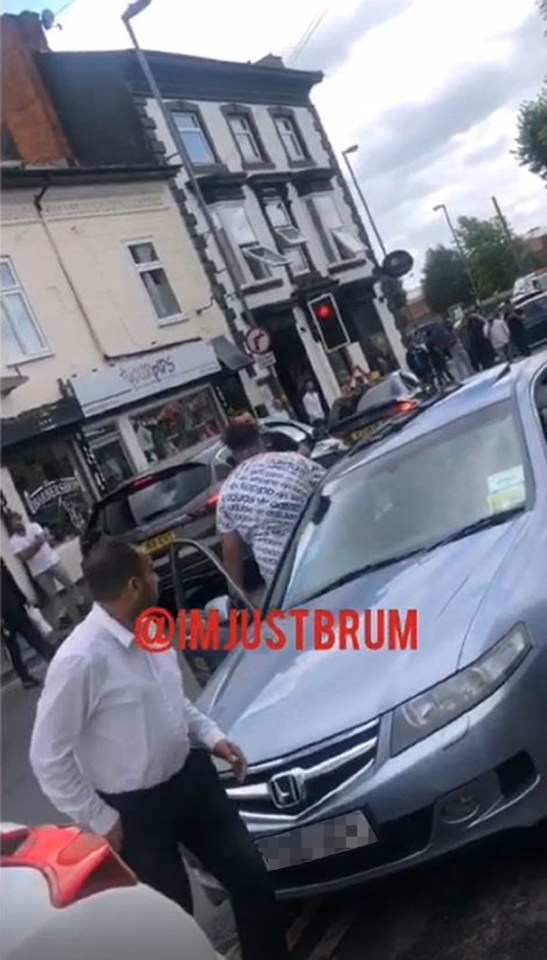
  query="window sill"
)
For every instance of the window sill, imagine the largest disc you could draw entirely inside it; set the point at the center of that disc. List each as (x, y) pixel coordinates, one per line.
(343, 265)
(306, 162)
(262, 286)
(258, 165)
(171, 321)
(23, 360)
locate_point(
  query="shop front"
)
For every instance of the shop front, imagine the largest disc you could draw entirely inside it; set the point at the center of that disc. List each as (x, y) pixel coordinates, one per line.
(48, 484)
(145, 409)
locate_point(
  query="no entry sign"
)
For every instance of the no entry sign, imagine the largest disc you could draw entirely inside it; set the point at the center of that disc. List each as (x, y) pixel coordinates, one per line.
(258, 341)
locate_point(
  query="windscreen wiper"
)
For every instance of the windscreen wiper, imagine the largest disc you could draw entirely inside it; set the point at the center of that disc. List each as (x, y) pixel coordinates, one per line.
(361, 572)
(483, 524)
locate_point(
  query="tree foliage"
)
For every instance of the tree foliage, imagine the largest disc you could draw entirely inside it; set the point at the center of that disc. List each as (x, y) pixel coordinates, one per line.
(445, 282)
(532, 134)
(495, 259)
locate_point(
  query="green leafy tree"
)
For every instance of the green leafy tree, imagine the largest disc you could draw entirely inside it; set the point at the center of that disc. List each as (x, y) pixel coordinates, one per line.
(532, 134)
(495, 259)
(445, 281)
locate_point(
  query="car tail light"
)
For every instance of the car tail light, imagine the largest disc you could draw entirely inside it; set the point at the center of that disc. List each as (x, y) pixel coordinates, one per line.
(206, 508)
(406, 406)
(75, 865)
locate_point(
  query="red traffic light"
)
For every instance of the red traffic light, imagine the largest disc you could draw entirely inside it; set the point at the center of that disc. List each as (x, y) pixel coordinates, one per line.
(324, 311)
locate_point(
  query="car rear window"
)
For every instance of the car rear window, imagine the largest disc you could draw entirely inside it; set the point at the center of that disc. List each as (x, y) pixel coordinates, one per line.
(150, 497)
(535, 310)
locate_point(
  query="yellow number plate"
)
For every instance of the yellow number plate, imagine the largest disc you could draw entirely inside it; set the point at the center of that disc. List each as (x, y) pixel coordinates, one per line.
(358, 435)
(155, 544)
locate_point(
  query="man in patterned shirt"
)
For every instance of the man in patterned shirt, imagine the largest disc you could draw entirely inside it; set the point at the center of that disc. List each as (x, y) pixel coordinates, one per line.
(261, 500)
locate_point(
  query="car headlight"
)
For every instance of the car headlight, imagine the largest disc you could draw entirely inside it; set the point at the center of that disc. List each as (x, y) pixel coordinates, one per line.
(429, 711)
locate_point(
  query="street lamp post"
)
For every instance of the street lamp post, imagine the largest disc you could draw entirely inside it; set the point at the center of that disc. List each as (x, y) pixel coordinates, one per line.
(132, 11)
(345, 154)
(459, 248)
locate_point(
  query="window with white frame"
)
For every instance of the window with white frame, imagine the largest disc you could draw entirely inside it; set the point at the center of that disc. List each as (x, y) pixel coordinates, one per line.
(22, 338)
(291, 241)
(154, 280)
(194, 137)
(290, 138)
(252, 259)
(338, 242)
(246, 140)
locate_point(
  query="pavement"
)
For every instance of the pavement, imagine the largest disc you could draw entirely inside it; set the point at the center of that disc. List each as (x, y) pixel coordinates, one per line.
(490, 903)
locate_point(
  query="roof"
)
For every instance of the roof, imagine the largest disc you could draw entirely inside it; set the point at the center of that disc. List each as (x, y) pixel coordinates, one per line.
(199, 78)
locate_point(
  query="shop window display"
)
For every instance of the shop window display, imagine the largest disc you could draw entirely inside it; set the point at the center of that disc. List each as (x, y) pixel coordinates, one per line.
(176, 425)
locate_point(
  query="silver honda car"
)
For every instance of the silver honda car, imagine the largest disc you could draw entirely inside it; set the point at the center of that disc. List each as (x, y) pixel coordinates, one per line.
(363, 763)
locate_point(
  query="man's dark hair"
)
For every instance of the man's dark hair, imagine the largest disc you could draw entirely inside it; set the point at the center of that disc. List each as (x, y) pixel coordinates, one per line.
(239, 437)
(109, 566)
(279, 442)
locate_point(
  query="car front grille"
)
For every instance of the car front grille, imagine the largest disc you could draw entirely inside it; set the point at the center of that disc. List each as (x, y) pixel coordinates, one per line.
(296, 783)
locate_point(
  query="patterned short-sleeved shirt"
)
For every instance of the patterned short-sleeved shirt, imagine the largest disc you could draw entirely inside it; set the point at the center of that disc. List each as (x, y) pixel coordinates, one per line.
(262, 501)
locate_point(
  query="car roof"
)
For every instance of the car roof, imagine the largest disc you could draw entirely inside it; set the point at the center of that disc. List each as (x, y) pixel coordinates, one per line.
(495, 385)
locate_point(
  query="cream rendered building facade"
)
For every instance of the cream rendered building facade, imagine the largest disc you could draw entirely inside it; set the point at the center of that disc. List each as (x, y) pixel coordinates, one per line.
(102, 286)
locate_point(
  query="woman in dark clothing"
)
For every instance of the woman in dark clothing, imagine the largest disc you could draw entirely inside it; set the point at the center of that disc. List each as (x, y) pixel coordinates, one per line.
(16, 621)
(481, 351)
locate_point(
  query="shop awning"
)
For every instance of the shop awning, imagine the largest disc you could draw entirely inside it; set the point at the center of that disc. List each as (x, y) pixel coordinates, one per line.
(229, 355)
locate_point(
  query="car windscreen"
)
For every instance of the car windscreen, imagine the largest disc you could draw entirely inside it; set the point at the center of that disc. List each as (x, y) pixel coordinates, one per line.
(404, 501)
(148, 498)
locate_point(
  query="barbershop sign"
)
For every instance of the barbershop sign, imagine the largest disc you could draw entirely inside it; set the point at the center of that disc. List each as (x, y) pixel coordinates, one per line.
(132, 380)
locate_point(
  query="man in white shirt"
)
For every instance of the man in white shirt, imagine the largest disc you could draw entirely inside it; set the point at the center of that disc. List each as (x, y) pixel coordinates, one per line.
(30, 543)
(118, 747)
(312, 405)
(261, 501)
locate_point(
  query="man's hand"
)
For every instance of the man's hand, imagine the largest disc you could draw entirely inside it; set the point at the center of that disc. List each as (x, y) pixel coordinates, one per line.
(225, 750)
(115, 836)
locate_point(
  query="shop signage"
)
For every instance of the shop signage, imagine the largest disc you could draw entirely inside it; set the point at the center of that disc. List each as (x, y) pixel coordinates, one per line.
(33, 423)
(50, 492)
(132, 380)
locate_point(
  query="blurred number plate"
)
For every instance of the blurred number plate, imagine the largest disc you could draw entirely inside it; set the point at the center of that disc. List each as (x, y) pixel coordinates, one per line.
(316, 841)
(358, 435)
(155, 544)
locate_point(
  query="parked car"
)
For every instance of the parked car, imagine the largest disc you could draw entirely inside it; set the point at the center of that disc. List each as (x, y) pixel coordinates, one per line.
(66, 894)
(535, 318)
(323, 448)
(356, 416)
(175, 498)
(365, 763)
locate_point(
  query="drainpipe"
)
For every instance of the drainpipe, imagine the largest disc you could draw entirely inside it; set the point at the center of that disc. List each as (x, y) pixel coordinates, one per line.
(38, 205)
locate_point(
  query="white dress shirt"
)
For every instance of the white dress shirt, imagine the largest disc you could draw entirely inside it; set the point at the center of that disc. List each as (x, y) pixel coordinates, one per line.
(113, 718)
(313, 407)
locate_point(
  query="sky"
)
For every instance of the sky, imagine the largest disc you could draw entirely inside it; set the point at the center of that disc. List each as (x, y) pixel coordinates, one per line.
(429, 89)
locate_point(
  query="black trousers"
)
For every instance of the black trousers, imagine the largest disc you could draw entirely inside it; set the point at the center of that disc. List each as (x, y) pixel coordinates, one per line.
(192, 808)
(19, 622)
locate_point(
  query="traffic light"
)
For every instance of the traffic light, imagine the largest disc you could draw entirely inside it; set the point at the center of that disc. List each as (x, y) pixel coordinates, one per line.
(329, 322)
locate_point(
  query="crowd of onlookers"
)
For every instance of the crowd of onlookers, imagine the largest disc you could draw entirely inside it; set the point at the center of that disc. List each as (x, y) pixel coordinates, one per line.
(445, 354)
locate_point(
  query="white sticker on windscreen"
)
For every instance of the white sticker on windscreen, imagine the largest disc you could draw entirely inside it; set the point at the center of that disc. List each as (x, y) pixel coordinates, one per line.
(506, 489)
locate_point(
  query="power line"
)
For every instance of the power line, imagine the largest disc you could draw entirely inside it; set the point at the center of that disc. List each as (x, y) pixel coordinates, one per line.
(314, 23)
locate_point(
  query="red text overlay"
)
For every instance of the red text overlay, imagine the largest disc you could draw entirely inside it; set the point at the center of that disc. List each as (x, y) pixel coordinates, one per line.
(158, 630)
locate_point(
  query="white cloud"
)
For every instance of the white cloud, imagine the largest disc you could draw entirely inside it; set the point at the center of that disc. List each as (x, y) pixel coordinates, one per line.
(429, 88)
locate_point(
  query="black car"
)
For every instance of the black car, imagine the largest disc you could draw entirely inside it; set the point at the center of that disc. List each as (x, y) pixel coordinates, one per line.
(357, 416)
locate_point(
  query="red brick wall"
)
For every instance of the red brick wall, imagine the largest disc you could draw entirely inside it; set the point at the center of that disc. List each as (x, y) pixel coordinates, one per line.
(27, 111)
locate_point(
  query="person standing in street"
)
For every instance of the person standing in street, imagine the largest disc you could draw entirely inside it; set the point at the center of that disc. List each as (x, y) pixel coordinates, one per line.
(419, 363)
(312, 405)
(481, 352)
(517, 329)
(16, 623)
(438, 361)
(460, 359)
(261, 501)
(499, 336)
(117, 746)
(30, 544)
